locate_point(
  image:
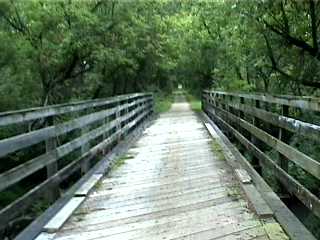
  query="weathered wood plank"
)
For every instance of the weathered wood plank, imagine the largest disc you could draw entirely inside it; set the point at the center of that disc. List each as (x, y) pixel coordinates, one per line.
(162, 192)
(310, 103)
(256, 202)
(45, 236)
(292, 186)
(62, 216)
(243, 176)
(14, 117)
(274, 231)
(21, 141)
(291, 124)
(302, 160)
(87, 186)
(295, 229)
(16, 174)
(21, 204)
(35, 228)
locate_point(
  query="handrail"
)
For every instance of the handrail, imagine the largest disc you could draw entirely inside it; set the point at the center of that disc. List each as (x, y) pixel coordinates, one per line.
(24, 115)
(303, 102)
(94, 132)
(256, 126)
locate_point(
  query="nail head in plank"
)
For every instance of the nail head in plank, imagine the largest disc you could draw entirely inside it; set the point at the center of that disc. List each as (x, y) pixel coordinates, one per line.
(63, 215)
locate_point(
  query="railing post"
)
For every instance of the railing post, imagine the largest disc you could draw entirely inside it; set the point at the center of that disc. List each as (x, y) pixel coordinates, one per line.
(85, 166)
(224, 102)
(52, 168)
(230, 110)
(126, 112)
(118, 121)
(256, 122)
(283, 136)
(241, 113)
(283, 161)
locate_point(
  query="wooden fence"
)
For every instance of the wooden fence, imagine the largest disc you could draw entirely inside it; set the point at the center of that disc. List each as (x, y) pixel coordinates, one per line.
(265, 124)
(60, 142)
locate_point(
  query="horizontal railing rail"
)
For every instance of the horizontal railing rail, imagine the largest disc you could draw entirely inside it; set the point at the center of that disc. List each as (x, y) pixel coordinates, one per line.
(266, 123)
(88, 130)
(23, 115)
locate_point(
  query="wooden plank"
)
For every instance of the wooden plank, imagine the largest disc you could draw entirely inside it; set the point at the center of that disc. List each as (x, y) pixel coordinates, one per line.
(291, 124)
(175, 200)
(106, 201)
(21, 204)
(52, 168)
(274, 231)
(256, 202)
(18, 173)
(21, 141)
(87, 186)
(62, 216)
(309, 103)
(14, 117)
(35, 228)
(243, 176)
(211, 130)
(181, 228)
(293, 227)
(292, 186)
(45, 236)
(302, 160)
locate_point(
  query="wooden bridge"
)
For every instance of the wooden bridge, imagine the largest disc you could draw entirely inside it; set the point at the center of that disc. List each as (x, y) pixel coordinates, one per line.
(111, 170)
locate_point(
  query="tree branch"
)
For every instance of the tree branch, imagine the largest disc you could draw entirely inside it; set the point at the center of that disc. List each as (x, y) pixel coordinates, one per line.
(285, 18)
(294, 41)
(313, 25)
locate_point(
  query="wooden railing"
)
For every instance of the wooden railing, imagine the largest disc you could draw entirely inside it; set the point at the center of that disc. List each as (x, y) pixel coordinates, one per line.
(264, 124)
(58, 142)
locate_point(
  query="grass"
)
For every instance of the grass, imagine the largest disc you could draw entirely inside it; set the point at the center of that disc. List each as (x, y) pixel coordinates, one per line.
(195, 103)
(163, 103)
(217, 150)
(120, 161)
(234, 192)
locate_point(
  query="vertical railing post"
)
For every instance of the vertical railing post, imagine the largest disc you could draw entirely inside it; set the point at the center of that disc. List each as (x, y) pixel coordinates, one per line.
(126, 112)
(283, 136)
(118, 121)
(52, 168)
(241, 116)
(105, 134)
(224, 102)
(256, 122)
(241, 113)
(230, 109)
(85, 165)
(283, 161)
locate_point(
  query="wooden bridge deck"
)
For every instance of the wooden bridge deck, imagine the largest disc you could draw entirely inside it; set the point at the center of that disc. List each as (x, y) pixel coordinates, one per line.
(174, 184)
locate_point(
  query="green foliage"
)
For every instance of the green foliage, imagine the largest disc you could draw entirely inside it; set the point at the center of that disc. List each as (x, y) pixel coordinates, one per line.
(163, 103)
(195, 102)
(121, 161)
